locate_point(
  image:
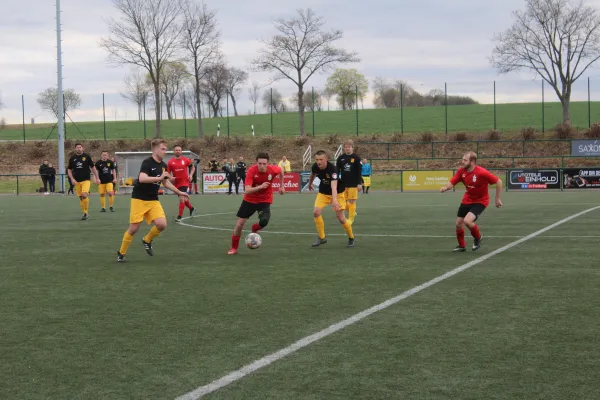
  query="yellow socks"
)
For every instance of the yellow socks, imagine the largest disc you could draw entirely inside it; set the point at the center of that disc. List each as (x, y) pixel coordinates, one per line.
(351, 211)
(126, 242)
(348, 228)
(111, 201)
(103, 201)
(154, 232)
(85, 205)
(320, 226)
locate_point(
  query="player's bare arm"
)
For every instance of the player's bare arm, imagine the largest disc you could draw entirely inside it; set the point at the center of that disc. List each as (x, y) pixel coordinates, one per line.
(281, 188)
(96, 176)
(192, 172)
(310, 182)
(172, 188)
(334, 204)
(498, 191)
(446, 187)
(70, 173)
(114, 176)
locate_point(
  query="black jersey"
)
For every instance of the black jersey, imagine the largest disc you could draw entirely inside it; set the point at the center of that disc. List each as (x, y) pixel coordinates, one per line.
(350, 170)
(326, 176)
(213, 165)
(105, 170)
(149, 191)
(80, 166)
(240, 168)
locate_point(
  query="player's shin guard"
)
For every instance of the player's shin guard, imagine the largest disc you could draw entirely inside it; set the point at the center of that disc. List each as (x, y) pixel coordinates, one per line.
(460, 235)
(111, 201)
(85, 205)
(256, 228)
(181, 208)
(188, 204)
(235, 241)
(103, 201)
(154, 232)
(126, 242)
(320, 224)
(351, 210)
(348, 228)
(475, 231)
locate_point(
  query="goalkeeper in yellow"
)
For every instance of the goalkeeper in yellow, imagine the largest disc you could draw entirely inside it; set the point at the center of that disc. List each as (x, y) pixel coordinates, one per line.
(350, 169)
(107, 172)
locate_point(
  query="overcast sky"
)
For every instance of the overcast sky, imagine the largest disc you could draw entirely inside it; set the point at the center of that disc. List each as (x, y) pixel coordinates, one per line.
(425, 42)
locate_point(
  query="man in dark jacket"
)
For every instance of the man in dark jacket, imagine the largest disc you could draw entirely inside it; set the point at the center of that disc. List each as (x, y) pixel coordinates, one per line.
(51, 178)
(44, 175)
(240, 169)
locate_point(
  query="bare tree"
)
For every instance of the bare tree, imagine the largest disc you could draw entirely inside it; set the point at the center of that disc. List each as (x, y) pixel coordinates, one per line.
(214, 86)
(201, 43)
(274, 99)
(327, 95)
(235, 78)
(136, 91)
(48, 100)
(558, 39)
(254, 93)
(311, 104)
(174, 76)
(187, 100)
(299, 50)
(146, 35)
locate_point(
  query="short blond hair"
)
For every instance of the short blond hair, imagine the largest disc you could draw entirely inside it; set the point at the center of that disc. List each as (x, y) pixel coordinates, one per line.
(158, 142)
(349, 141)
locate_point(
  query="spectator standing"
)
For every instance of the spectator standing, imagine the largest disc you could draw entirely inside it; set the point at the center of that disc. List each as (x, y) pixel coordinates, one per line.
(240, 170)
(51, 178)
(44, 175)
(285, 165)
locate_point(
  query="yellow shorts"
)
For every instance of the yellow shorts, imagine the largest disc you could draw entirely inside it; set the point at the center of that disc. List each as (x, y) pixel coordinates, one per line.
(351, 193)
(367, 180)
(82, 187)
(323, 200)
(105, 188)
(142, 209)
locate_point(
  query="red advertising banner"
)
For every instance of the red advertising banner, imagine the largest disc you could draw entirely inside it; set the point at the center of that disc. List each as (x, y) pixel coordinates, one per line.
(291, 182)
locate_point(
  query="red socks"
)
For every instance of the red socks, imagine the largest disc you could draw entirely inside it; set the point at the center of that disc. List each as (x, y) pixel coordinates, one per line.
(256, 228)
(181, 207)
(195, 188)
(475, 232)
(235, 241)
(460, 235)
(188, 204)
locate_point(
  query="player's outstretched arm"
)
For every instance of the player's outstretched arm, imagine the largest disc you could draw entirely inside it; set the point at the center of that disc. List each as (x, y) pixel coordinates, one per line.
(281, 187)
(446, 187)
(310, 181)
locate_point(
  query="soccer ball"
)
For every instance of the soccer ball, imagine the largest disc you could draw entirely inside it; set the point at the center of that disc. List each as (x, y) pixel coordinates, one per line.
(253, 241)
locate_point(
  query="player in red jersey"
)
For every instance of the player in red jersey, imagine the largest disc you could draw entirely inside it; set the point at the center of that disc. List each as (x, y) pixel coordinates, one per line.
(476, 180)
(178, 167)
(258, 197)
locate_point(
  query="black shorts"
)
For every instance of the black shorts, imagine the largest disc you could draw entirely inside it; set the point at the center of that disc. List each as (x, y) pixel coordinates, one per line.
(194, 179)
(248, 209)
(476, 209)
(183, 189)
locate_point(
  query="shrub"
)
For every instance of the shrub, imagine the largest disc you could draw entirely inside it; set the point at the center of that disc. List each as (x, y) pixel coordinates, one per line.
(37, 152)
(239, 142)
(12, 147)
(564, 131)
(397, 137)
(210, 140)
(301, 141)
(267, 141)
(2, 123)
(223, 145)
(427, 137)
(95, 144)
(594, 131)
(493, 135)
(528, 133)
(332, 139)
(460, 137)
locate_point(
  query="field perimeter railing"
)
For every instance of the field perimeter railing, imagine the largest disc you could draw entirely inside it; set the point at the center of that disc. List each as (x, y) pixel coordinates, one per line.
(418, 162)
(483, 148)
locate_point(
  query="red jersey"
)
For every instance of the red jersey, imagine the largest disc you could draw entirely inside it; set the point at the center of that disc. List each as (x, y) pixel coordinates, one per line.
(476, 182)
(255, 178)
(179, 168)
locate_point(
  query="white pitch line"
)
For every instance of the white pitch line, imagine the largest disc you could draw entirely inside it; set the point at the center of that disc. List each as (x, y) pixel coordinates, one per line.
(263, 362)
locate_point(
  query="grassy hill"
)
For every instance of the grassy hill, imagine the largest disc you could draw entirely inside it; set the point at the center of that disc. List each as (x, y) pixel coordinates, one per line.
(467, 118)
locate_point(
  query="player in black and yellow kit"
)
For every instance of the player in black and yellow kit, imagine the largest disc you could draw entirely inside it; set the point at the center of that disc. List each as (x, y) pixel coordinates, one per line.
(350, 170)
(107, 172)
(331, 191)
(79, 168)
(144, 199)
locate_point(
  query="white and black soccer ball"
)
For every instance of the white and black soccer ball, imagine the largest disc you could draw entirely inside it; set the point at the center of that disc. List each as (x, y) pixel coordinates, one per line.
(253, 241)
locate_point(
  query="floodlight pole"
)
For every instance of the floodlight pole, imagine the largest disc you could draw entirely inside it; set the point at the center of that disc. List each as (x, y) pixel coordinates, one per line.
(61, 114)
